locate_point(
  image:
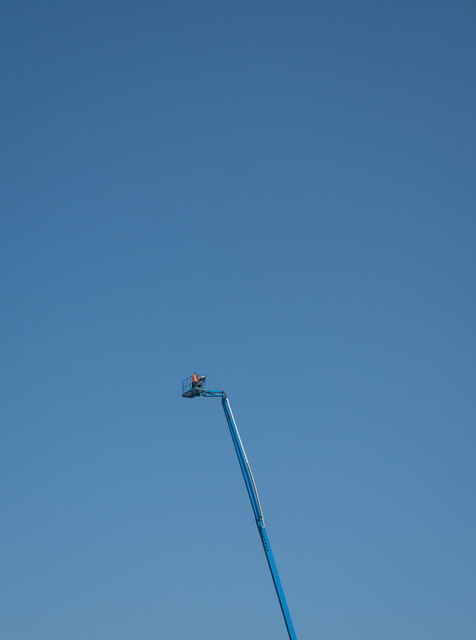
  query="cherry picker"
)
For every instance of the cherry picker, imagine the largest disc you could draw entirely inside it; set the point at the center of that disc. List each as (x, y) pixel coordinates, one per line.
(194, 387)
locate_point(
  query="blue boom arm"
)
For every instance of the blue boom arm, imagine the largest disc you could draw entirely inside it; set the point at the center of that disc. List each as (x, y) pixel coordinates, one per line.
(255, 503)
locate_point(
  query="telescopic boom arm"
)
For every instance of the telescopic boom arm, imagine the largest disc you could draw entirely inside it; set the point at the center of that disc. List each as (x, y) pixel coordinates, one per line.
(253, 495)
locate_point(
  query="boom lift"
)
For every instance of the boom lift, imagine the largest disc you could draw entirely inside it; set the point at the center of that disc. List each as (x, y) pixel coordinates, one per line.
(194, 387)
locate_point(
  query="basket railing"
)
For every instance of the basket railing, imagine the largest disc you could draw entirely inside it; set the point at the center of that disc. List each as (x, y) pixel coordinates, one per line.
(187, 384)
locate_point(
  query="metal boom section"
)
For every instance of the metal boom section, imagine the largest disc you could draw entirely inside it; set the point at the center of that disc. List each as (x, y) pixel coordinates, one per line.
(255, 503)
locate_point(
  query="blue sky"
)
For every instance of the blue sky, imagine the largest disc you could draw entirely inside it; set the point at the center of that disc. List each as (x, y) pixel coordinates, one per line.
(279, 195)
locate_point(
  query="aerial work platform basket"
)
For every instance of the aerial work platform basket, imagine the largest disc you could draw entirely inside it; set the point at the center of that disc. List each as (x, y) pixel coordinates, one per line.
(191, 389)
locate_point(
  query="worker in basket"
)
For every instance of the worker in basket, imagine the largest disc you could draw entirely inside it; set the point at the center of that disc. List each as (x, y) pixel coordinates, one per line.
(196, 381)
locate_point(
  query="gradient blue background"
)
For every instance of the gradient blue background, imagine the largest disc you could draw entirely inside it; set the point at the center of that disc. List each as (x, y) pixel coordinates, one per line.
(280, 195)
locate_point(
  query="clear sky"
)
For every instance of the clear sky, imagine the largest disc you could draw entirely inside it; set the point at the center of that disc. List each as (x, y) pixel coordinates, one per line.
(280, 195)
